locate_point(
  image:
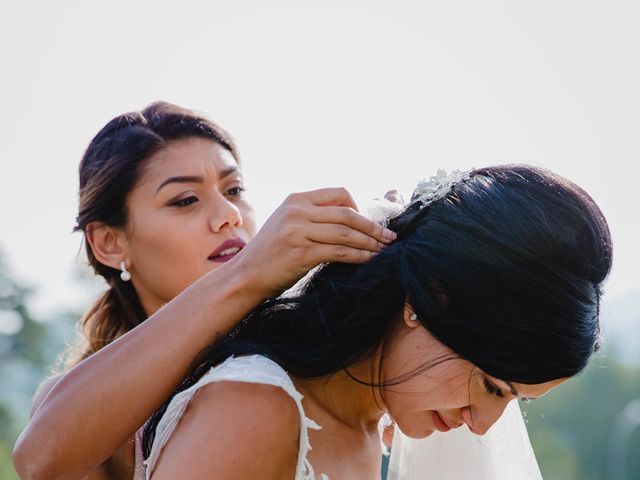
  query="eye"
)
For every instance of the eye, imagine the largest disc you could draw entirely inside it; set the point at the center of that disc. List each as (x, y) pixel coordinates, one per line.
(235, 191)
(185, 202)
(492, 389)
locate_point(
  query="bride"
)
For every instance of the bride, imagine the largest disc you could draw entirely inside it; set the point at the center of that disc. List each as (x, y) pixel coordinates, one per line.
(490, 293)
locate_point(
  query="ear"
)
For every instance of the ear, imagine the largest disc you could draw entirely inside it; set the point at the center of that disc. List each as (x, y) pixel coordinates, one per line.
(409, 316)
(108, 244)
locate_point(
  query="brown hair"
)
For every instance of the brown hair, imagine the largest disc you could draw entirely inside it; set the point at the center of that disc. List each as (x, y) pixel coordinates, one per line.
(110, 168)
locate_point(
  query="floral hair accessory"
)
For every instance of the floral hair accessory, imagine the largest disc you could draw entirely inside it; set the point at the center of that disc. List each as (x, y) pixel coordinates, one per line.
(382, 210)
(438, 186)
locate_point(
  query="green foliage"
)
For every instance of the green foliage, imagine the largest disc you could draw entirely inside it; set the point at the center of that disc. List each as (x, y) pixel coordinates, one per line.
(25, 355)
(7, 472)
(29, 342)
(570, 427)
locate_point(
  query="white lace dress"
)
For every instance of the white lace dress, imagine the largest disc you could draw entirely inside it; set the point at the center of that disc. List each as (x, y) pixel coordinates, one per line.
(250, 369)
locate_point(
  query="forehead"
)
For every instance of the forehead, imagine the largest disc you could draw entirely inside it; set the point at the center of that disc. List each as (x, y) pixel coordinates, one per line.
(189, 156)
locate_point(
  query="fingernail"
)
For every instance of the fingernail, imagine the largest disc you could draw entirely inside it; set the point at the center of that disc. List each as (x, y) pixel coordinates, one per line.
(389, 234)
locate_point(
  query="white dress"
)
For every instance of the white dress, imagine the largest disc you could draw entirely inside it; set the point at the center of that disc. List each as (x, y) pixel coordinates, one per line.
(504, 453)
(249, 369)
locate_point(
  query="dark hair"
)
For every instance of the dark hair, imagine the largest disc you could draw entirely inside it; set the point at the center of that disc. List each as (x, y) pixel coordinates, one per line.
(520, 253)
(113, 163)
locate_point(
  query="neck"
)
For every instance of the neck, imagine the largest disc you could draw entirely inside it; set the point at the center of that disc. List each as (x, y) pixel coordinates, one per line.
(347, 400)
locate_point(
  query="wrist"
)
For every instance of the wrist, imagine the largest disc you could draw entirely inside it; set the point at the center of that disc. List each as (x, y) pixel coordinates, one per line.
(242, 280)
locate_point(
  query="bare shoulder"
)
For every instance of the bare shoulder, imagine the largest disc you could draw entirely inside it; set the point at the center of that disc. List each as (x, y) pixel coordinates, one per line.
(43, 390)
(236, 429)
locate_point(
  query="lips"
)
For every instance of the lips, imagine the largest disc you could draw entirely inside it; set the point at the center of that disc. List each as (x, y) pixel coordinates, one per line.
(227, 250)
(439, 422)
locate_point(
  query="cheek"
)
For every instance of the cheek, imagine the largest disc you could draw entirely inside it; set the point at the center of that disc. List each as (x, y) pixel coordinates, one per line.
(248, 220)
(412, 403)
(441, 387)
(168, 246)
(168, 260)
(428, 372)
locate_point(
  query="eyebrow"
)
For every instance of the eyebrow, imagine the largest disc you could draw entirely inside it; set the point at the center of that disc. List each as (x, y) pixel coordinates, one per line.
(195, 178)
(512, 388)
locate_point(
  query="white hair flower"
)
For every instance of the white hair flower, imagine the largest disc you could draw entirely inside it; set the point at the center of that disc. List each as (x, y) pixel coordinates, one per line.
(438, 186)
(382, 210)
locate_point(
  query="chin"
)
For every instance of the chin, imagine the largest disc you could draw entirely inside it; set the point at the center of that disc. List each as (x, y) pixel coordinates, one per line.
(414, 432)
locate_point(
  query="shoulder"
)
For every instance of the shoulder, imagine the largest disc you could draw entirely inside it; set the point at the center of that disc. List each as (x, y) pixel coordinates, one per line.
(237, 429)
(43, 390)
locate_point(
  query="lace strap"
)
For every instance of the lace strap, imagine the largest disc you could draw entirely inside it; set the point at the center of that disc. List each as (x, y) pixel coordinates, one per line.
(250, 369)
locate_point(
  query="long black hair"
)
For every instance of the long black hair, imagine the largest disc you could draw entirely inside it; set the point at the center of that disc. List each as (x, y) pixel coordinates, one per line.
(519, 252)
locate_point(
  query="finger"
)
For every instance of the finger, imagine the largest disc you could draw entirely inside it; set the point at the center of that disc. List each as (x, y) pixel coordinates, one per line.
(338, 234)
(341, 253)
(352, 219)
(331, 196)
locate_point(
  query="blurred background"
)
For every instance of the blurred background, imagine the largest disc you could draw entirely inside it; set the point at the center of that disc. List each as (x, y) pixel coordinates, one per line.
(370, 95)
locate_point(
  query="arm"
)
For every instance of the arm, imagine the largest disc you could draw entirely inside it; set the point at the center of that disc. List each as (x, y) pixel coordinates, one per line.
(101, 402)
(43, 390)
(234, 430)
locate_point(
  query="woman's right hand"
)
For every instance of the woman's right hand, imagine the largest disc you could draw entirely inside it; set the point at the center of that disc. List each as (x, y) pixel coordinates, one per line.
(308, 229)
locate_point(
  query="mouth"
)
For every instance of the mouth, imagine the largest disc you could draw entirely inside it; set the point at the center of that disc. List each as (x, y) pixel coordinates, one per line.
(227, 250)
(439, 422)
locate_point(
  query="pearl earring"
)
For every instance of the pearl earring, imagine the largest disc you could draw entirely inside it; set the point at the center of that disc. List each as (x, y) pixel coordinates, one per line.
(125, 276)
(413, 317)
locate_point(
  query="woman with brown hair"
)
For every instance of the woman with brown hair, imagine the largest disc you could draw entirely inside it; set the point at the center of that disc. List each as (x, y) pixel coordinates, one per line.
(167, 226)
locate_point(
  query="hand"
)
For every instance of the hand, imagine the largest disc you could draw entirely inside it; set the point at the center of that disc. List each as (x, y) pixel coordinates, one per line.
(308, 229)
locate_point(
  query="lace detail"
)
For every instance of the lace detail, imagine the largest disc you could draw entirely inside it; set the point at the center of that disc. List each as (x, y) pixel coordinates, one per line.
(250, 369)
(138, 469)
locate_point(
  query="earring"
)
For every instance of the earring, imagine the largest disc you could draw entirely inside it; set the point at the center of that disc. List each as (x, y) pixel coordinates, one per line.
(125, 276)
(413, 317)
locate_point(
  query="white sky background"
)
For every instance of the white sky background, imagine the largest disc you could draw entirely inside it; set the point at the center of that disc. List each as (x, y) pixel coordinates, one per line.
(364, 94)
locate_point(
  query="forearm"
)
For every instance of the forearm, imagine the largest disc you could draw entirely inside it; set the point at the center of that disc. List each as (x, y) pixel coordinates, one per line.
(99, 404)
(106, 398)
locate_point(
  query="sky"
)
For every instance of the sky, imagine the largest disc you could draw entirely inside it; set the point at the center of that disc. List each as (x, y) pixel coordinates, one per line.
(369, 95)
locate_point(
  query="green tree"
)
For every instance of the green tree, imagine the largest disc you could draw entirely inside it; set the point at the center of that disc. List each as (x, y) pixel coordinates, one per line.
(571, 426)
(25, 346)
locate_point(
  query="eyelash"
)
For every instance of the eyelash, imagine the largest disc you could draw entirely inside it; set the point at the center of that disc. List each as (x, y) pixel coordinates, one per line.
(182, 203)
(492, 389)
(185, 202)
(240, 190)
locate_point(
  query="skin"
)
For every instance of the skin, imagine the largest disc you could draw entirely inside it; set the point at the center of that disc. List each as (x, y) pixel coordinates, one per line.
(457, 390)
(83, 421)
(348, 445)
(182, 223)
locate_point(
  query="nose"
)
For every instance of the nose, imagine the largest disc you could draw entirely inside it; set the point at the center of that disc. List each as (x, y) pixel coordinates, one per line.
(224, 214)
(480, 420)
